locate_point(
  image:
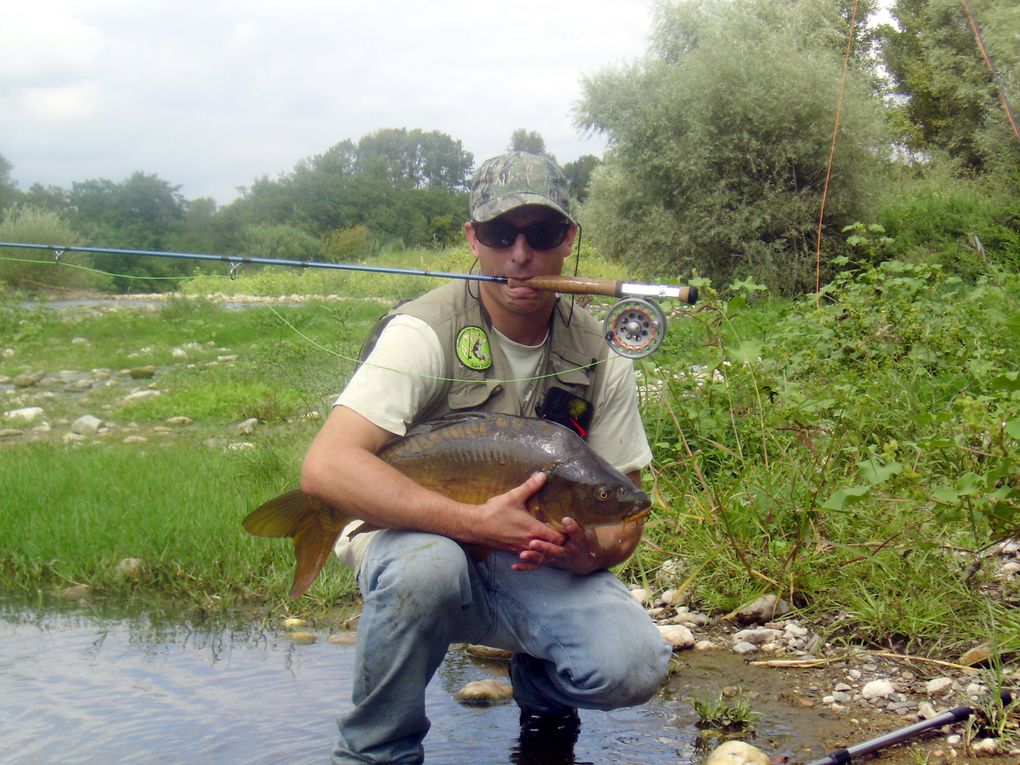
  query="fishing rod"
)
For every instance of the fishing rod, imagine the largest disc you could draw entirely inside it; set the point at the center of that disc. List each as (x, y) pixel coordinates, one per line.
(634, 326)
(958, 714)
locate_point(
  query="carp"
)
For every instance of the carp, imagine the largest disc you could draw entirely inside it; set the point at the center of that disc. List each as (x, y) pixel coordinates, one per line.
(470, 458)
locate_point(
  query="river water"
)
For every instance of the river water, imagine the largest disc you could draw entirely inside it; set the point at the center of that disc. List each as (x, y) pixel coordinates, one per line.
(79, 688)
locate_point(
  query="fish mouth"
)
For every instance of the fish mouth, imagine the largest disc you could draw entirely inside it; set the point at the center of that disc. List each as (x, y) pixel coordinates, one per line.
(638, 516)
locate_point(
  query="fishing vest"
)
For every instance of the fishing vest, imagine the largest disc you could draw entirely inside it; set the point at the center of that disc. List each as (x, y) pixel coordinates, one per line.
(476, 369)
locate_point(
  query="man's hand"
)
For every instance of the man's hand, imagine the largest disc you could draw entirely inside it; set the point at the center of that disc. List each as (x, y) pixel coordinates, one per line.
(585, 550)
(504, 522)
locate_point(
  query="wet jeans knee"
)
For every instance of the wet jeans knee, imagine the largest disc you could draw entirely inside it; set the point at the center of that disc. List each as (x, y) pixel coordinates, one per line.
(419, 576)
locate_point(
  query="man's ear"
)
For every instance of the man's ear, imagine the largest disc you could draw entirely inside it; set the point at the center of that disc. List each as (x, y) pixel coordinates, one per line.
(472, 238)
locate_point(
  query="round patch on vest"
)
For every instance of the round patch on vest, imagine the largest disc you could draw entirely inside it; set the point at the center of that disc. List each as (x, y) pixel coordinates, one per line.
(473, 348)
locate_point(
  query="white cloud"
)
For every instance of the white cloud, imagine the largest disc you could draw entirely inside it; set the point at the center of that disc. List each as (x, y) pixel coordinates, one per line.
(211, 95)
(60, 103)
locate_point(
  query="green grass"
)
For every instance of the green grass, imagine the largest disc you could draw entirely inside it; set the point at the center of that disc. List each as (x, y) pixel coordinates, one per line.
(73, 513)
(824, 451)
(815, 451)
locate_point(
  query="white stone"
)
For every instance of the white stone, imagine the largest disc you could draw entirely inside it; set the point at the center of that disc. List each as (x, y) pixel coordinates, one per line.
(757, 636)
(985, 746)
(878, 689)
(938, 684)
(677, 635)
(484, 692)
(737, 753)
(141, 395)
(28, 414)
(86, 425)
(131, 567)
(247, 427)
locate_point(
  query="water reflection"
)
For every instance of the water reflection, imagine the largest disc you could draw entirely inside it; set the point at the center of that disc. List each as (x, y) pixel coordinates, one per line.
(89, 688)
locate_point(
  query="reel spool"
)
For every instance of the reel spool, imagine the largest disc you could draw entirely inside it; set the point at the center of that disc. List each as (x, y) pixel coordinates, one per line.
(635, 327)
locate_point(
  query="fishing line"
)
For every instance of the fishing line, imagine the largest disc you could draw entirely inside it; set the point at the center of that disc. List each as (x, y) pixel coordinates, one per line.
(438, 378)
(58, 261)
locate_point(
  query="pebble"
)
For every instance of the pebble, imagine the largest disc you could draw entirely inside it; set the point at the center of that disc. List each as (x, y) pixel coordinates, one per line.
(677, 635)
(737, 753)
(640, 594)
(131, 568)
(487, 652)
(878, 689)
(484, 692)
(762, 609)
(26, 414)
(86, 425)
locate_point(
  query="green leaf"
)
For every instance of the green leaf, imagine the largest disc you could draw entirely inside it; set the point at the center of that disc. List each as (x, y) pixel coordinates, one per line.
(845, 498)
(874, 472)
(747, 352)
(1013, 429)
(969, 484)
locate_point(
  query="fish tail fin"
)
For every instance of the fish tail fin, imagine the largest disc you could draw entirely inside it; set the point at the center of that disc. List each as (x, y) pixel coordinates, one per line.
(313, 526)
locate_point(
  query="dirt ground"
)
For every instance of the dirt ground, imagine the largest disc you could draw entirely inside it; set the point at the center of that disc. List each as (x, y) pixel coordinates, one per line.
(797, 727)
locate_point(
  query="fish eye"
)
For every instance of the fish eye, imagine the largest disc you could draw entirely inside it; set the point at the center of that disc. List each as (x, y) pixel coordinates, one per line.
(602, 493)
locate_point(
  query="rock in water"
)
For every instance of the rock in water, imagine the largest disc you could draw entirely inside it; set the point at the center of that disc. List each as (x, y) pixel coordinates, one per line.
(484, 692)
(737, 753)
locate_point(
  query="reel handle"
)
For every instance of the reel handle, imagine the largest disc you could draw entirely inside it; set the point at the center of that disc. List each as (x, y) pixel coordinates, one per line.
(579, 285)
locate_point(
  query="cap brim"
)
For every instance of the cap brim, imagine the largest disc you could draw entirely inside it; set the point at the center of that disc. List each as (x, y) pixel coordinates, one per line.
(496, 207)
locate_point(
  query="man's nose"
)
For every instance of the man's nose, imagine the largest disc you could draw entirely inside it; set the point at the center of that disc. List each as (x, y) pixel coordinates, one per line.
(520, 250)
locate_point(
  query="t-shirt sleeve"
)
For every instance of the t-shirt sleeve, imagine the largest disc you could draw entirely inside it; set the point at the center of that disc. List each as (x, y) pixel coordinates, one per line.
(400, 377)
(617, 431)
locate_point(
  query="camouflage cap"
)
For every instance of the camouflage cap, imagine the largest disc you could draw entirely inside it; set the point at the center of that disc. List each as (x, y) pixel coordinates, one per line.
(516, 179)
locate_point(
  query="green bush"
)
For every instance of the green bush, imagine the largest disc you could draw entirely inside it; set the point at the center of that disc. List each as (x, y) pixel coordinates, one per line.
(818, 449)
(37, 271)
(968, 226)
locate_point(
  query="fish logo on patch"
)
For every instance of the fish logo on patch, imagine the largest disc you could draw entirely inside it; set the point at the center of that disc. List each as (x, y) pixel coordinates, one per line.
(473, 348)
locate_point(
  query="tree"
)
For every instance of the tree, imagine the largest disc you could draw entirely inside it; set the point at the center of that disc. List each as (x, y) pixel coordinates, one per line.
(579, 174)
(8, 188)
(528, 140)
(415, 159)
(142, 212)
(719, 141)
(948, 99)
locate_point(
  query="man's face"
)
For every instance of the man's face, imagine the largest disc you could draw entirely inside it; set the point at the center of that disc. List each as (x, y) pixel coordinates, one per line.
(520, 260)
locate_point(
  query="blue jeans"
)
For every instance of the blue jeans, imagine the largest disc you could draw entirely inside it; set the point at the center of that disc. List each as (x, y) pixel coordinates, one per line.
(596, 646)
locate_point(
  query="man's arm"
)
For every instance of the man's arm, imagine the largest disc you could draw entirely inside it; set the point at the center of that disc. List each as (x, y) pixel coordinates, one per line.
(342, 469)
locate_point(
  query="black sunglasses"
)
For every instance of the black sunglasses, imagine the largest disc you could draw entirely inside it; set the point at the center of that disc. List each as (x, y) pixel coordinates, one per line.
(540, 235)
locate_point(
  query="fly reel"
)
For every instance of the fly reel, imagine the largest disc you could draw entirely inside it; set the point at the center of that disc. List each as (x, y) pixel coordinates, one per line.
(635, 327)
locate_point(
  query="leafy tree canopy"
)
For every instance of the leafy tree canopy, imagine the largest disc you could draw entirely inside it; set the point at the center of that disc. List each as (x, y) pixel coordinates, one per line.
(527, 140)
(719, 141)
(949, 100)
(8, 189)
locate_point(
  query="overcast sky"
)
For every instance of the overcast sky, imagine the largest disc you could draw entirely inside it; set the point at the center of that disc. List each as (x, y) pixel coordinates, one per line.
(211, 95)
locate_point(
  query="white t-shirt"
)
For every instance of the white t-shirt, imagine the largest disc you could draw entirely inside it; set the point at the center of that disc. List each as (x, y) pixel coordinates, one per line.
(404, 375)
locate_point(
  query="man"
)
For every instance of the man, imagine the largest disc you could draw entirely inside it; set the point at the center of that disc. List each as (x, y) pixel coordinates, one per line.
(578, 638)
